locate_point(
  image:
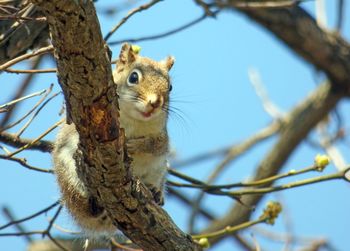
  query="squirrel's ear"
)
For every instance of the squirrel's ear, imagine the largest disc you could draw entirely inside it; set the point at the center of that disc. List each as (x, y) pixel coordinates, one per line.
(168, 62)
(127, 54)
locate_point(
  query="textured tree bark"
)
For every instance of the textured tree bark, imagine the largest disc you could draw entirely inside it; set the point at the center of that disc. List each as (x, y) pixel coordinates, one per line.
(84, 73)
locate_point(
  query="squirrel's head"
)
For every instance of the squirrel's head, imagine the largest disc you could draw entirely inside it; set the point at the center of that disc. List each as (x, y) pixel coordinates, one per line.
(143, 84)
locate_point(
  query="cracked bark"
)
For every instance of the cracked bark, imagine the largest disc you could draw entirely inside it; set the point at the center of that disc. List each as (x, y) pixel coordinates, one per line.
(85, 76)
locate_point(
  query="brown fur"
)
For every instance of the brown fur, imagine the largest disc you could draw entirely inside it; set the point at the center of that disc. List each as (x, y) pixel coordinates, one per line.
(143, 115)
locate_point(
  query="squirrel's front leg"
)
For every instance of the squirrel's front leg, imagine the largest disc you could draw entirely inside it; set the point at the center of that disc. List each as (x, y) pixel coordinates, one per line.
(156, 145)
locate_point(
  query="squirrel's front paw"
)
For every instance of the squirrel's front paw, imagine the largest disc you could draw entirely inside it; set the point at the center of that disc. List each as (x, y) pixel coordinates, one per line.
(135, 145)
(157, 195)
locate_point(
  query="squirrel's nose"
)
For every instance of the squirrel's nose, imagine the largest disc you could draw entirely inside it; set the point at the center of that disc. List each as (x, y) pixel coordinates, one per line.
(154, 101)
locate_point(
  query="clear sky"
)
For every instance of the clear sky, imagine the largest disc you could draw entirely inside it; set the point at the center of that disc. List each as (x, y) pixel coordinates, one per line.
(218, 107)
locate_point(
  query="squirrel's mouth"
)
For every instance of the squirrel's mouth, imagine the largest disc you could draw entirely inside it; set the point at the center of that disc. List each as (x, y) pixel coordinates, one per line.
(147, 114)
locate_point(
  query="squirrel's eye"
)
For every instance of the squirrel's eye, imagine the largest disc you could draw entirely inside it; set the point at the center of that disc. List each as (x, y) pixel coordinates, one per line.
(134, 78)
(170, 88)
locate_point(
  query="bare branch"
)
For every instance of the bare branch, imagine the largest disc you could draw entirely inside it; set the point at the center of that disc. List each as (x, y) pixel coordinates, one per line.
(48, 91)
(20, 132)
(8, 104)
(26, 56)
(165, 34)
(232, 154)
(15, 41)
(24, 163)
(340, 17)
(7, 212)
(50, 70)
(12, 140)
(294, 26)
(300, 121)
(261, 92)
(30, 144)
(130, 14)
(45, 210)
(26, 83)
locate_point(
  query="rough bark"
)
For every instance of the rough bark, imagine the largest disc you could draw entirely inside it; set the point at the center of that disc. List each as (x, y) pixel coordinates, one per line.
(85, 76)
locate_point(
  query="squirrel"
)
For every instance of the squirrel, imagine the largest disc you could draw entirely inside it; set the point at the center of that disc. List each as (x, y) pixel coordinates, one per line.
(143, 86)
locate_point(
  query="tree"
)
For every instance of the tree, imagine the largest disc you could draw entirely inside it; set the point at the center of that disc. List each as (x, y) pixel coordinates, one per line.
(84, 73)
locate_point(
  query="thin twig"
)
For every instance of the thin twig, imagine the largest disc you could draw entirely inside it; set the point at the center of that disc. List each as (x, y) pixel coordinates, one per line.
(265, 190)
(327, 143)
(216, 189)
(182, 197)
(281, 237)
(49, 227)
(24, 12)
(21, 90)
(26, 56)
(23, 162)
(37, 139)
(206, 7)
(49, 70)
(20, 132)
(130, 14)
(229, 229)
(269, 215)
(8, 104)
(54, 241)
(232, 154)
(12, 140)
(165, 34)
(7, 212)
(241, 148)
(200, 157)
(340, 17)
(31, 216)
(261, 92)
(198, 182)
(255, 183)
(19, 18)
(48, 91)
(21, 233)
(7, 8)
(53, 219)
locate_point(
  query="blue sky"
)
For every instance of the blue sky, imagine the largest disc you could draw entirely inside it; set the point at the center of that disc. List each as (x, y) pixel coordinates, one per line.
(218, 107)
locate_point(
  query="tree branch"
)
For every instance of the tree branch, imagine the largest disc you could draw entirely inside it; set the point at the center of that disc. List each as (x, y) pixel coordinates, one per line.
(12, 140)
(298, 124)
(327, 51)
(19, 36)
(85, 76)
